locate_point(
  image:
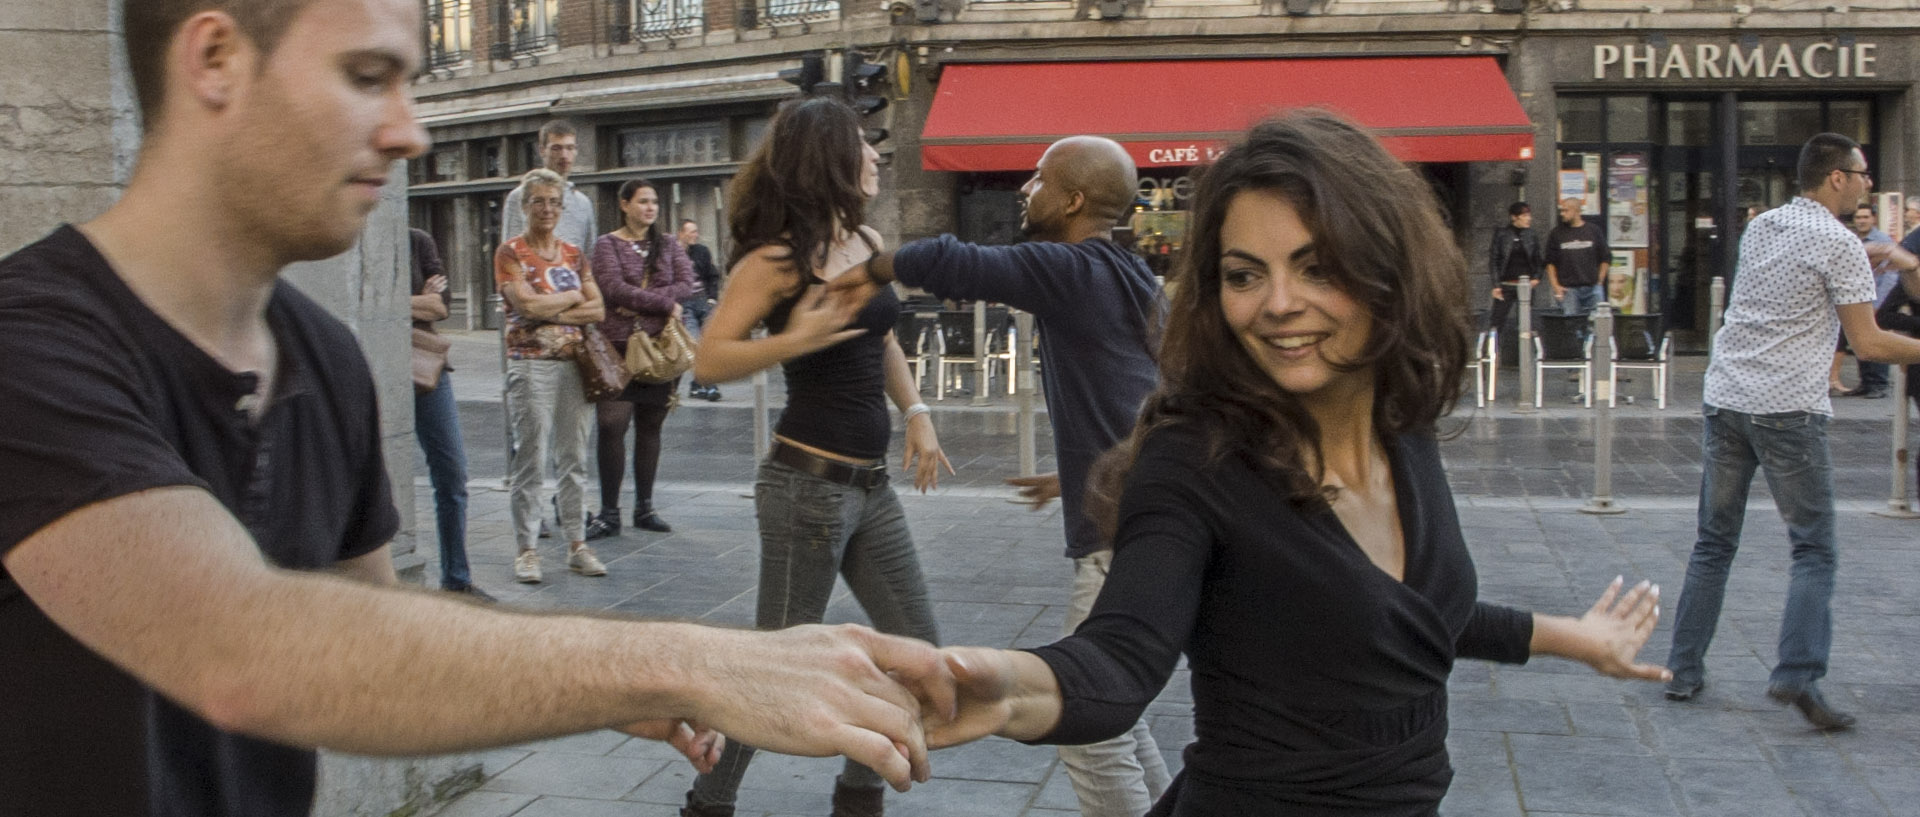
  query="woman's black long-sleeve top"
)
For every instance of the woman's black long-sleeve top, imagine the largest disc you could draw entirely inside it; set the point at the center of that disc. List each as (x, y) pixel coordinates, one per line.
(1319, 682)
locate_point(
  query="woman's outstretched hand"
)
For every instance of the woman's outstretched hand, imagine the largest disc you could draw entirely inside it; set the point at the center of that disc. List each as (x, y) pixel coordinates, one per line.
(922, 454)
(984, 681)
(1616, 627)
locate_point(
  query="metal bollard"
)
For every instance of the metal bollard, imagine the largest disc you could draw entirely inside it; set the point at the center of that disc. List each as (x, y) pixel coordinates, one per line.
(1527, 368)
(1717, 307)
(1602, 389)
(1023, 387)
(979, 354)
(1898, 507)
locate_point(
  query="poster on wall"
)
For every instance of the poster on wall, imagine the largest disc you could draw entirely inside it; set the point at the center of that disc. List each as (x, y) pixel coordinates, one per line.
(1573, 185)
(1590, 164)
(1625, 283)
(1627, 215)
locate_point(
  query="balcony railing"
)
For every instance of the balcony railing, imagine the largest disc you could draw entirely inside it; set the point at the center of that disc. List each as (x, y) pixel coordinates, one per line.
(781, 12)
(648, 20)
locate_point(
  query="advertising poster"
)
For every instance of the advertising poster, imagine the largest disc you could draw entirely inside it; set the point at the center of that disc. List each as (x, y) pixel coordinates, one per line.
(1590, 164)
(1627, 200)
(1573, 185)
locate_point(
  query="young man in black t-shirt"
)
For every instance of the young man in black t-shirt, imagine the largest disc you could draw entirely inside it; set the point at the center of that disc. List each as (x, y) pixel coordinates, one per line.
(1577, 261)
(193, 532)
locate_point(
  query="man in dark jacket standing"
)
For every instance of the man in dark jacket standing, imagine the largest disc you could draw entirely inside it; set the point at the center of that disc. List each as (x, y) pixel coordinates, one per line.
(698, 305)
(1515, 253)
(1099, 311)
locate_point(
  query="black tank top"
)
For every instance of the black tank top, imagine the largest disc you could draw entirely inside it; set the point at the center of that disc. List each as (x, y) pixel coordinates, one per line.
(836, 397)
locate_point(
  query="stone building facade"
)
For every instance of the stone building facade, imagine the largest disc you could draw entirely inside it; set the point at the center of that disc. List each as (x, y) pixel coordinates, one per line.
(678, 90)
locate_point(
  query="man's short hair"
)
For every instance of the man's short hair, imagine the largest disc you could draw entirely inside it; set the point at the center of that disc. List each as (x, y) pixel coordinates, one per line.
(151, 24)
(555, 127)
(1821, 155)
(686, 221)
(1867, 207)
(1518, 208)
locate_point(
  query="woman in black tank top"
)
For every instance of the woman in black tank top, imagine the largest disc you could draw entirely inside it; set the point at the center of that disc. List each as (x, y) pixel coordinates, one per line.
(822, 498)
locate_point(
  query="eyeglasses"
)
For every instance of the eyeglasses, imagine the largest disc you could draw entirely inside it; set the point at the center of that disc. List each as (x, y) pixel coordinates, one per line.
(1861, 173)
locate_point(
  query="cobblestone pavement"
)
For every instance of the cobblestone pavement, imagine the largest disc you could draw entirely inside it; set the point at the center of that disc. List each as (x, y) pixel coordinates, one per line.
(1548, 738)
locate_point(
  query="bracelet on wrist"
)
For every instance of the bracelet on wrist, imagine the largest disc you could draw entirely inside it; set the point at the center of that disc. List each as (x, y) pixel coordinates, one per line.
(915, 410)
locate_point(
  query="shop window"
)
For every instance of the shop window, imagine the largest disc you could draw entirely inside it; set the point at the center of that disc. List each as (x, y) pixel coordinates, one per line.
(681, 145)
(1581, 119)
(490, 166)
(443, 165)
(1627, 119)
(525, 154)
(1779, 122)
(1851, 118)
(1689, 123)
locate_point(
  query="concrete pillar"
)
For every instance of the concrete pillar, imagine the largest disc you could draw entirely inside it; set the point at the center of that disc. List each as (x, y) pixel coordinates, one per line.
(69, 131)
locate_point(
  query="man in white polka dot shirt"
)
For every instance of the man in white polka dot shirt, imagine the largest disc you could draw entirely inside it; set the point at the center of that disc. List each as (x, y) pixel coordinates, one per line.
(1802, 278)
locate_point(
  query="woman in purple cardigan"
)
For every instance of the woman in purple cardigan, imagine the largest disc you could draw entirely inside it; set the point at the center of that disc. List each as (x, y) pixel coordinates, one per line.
(643, 274)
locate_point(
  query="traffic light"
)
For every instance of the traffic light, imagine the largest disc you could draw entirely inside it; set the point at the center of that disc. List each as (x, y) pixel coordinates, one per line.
(866, 89)
(811, 73)
(865, 82)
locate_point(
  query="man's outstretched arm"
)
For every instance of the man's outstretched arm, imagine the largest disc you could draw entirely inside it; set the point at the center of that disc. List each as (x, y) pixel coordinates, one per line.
(166, 584)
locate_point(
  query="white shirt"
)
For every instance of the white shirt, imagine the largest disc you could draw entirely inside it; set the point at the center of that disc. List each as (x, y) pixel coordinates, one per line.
(576, 225)
(1797, 262)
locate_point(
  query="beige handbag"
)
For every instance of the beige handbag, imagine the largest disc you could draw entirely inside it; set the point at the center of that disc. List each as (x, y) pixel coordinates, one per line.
(660, 358)
(429, 360)
(663, 357)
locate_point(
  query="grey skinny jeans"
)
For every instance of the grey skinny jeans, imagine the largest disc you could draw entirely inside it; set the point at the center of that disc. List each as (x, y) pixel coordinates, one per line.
(812, 530)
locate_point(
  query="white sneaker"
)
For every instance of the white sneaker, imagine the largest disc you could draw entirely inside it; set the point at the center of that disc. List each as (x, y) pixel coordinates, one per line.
(583, 561)
(526, 567)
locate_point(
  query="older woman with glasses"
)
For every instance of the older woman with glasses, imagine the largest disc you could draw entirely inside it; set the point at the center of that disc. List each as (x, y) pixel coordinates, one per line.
(549, 293)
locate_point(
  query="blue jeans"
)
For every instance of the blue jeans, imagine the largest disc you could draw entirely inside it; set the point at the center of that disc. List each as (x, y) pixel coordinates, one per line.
(436, 424)
(1581, 300)
(811, 531)
(693, 313)
(1791, 448)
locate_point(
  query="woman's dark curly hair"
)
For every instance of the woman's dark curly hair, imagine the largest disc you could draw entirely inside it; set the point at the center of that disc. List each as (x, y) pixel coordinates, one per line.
(801, 183)
(1377, 231)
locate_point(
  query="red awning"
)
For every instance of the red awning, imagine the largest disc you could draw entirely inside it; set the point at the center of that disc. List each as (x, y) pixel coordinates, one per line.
(1169, 113)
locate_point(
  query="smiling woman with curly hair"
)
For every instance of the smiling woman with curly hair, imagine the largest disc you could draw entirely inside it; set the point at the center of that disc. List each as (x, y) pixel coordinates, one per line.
(1282, 517)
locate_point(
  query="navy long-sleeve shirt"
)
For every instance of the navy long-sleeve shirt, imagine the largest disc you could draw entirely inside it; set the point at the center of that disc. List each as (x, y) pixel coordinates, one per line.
(1099, 312)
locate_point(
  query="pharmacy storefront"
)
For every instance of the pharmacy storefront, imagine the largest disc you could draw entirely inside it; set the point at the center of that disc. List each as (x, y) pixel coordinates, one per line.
(1673, 141)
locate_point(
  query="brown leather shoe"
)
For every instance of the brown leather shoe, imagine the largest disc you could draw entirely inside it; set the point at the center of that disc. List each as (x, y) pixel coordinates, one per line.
(849, 802)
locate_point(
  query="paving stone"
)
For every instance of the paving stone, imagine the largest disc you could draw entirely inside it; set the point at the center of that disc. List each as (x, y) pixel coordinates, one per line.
(486, 804)
(569, 775)
(582, 807)
(1592, 784)
(1722, 788)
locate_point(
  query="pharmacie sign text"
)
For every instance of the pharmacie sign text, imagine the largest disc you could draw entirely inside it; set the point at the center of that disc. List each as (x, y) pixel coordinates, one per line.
(1820, 60)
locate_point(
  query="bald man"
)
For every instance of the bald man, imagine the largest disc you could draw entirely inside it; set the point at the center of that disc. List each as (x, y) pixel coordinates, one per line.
(1099, 310)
